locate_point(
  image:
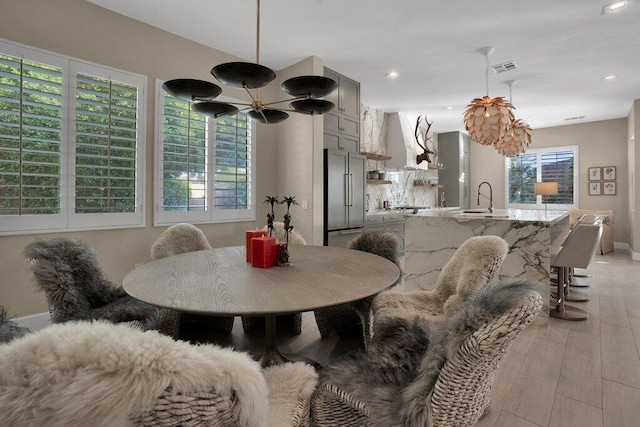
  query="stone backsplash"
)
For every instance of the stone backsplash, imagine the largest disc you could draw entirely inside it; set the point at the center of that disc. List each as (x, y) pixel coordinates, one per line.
(401, 191)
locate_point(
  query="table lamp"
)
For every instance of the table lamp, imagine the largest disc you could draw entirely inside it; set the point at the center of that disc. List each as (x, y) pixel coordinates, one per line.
(546, 189)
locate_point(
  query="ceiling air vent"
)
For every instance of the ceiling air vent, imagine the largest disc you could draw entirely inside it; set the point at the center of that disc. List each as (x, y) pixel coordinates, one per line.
(575, 118)
(504, 67)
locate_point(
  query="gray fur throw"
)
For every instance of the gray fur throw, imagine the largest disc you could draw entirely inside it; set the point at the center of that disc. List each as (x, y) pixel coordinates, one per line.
(10, 329)
(76, 288)
(381, 243)
(396, 375)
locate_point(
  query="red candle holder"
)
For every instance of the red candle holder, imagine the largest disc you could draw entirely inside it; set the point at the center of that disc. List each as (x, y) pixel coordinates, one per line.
(250, 234)
(264, 251)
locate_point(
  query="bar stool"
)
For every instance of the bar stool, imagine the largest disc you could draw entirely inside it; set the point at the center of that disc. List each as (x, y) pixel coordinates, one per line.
(577, 251)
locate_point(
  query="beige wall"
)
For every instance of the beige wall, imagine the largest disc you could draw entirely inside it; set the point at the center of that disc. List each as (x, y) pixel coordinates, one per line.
(85, 31)
(602, 143)
(634, 186)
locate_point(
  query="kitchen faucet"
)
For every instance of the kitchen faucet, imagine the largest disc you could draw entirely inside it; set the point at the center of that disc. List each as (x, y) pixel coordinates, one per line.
(490, 195)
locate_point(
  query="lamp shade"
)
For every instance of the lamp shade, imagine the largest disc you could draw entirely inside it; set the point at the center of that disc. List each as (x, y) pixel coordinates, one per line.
(516, 141)
(546, 188)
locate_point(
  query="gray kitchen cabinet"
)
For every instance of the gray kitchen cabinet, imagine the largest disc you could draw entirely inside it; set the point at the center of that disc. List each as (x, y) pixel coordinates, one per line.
(342, 124)
(453, 153)
(344, 190)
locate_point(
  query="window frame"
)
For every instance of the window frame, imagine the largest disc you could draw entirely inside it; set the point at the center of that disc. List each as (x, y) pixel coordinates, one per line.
(211, 215)
(539, 204)
(67, 220)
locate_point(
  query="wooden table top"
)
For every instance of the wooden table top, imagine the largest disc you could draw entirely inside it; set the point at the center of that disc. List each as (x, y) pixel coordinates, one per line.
(220, 281)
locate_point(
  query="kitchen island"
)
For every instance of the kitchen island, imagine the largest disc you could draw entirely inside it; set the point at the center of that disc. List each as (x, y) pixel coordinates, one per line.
(432, 237)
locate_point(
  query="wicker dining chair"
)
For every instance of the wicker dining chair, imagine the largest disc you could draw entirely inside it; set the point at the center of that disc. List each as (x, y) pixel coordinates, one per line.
(100, 374)
(182, 238)
(76, 288)
(256, 323)
(426, 375)
(471, 269)
(337, 319)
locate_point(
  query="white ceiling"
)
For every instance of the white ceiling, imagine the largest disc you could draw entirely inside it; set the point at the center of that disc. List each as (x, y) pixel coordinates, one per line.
(562, 49)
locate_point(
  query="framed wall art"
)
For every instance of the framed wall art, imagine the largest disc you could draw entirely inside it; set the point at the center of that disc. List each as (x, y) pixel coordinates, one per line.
(595, 174)
(594, 188)
(609, 188)
(609, 173)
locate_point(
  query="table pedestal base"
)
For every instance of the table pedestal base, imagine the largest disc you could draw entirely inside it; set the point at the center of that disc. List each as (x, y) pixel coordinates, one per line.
(271, 355)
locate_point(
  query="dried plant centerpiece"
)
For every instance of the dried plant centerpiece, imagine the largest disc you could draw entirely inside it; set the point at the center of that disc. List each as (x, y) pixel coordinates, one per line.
(283, 258)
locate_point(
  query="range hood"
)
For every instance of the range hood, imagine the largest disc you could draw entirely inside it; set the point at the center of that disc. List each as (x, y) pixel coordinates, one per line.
(402, 145)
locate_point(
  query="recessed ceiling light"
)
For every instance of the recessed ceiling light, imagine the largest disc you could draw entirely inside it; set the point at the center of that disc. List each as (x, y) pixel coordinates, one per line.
(610, 78)
(614, 7)
(392, 75)
(448, 108)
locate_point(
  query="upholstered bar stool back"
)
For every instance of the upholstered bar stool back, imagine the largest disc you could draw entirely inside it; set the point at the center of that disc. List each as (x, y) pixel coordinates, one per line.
(577, 251)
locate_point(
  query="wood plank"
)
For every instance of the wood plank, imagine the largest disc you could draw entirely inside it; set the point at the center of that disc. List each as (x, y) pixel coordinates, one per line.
(533, 393)
(620, 405)
(568, 412)
(620, 362)
(581, 375)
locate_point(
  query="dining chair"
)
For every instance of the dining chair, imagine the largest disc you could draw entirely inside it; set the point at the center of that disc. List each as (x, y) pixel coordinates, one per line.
(182, 238)
(9, 329)
(76, 288)
(428, 375)
(470, 270)
(252, 324)
(577, 251)
(100, 374)
(340, 318)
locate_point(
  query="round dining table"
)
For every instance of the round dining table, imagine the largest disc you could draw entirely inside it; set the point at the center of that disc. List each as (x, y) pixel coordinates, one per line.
(219, 281)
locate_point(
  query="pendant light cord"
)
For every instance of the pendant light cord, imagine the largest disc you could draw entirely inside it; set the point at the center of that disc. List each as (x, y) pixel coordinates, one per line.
(486, 72)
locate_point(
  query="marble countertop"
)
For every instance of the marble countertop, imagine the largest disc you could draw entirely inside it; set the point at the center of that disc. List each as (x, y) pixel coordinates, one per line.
(527, 215)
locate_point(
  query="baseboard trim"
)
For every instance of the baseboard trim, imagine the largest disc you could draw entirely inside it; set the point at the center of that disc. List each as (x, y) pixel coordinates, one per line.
(625, 246)
(34, 321)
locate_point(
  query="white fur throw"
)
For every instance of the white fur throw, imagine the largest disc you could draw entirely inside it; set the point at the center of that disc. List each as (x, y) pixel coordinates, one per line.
(100, 374)
(295, 238)
(290, 388)
(179, 239)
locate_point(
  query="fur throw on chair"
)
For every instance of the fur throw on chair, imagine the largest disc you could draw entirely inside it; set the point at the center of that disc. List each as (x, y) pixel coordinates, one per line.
(9, 329)
(76, 288)
(100, 374)
(472, 268)
(381, 243)
(179, 239)
(395, 378)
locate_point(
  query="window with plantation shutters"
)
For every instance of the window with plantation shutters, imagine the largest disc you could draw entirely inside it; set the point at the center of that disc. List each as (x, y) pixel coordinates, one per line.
(556, 164)
(71, 143)
(206, 170)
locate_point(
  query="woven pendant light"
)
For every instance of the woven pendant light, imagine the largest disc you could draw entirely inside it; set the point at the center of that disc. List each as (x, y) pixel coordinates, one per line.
(487, 119)
(518, 139)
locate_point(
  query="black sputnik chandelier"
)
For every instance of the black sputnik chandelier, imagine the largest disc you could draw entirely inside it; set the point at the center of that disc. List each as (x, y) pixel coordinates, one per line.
(304, 90)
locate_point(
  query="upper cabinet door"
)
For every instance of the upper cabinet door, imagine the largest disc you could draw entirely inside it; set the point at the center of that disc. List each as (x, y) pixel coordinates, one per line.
(335, 95)
(349, 97)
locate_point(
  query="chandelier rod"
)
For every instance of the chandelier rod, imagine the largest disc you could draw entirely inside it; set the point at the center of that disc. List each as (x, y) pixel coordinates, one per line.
(258, 33)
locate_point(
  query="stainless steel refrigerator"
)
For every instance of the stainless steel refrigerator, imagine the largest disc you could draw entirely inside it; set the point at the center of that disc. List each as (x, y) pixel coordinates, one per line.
(344, 196)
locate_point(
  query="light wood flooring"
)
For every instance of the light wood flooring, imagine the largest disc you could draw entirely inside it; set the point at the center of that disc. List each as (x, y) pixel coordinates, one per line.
(565, 373)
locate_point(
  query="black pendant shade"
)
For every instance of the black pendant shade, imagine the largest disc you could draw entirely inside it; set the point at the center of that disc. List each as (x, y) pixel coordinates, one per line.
(311, 106)
(273, 116)
(215, 109)
(191, 89)
(310, 86)
(243, 74)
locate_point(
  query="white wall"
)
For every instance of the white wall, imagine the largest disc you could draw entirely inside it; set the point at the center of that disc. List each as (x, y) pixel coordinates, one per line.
(602, 143)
